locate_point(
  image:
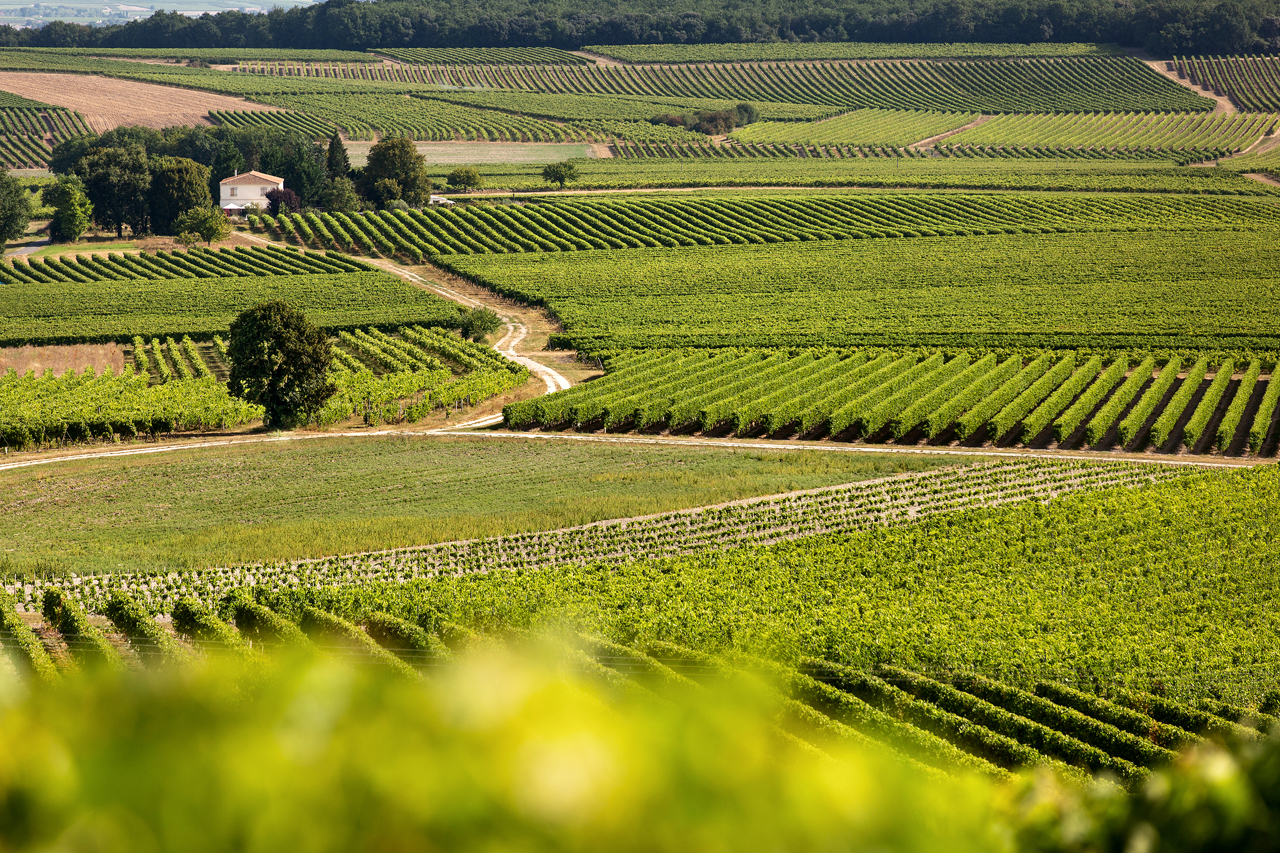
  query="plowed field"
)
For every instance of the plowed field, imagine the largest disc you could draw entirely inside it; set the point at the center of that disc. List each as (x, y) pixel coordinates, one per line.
(106, 102)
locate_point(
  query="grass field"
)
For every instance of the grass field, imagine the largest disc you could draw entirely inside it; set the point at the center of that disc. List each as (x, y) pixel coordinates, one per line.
(924, 173)
(335, 496)
(1132, 290)
(482, 153)
(1168, 584)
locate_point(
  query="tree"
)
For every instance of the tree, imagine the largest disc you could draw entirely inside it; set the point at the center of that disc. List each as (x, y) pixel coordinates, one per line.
(117, 182)
(464, 178)
(386, 191)
(177, 185)
(337, 164)
(298, 161)
(72, 210)
(559, 173)
(15, 208)
(340, 196)
(283, 201)
(227, 163)
(280, 361)
(207, 223)
(396, 159)
(480, 323)
(67, 153)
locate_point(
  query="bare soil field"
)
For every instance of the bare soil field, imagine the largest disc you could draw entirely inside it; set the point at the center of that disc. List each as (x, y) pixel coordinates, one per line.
(481, 153)
(106, 102)
(60, 359)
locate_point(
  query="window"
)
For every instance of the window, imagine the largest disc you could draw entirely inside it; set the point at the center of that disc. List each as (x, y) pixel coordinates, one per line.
(233, 191)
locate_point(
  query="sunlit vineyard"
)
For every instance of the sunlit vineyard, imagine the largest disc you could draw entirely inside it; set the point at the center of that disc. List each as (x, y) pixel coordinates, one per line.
(1221, 131)
(484, 55)
(582, 225)
(197, 293)
(1188, 289)
(175, 386)
(29, 129)
(1251, 82)
(418, 118)
(590, 108)
(828, 50)
(1038, 85)
(1063, 399)
(284, 119)
(860, 127)
(895, 501)
(72, 408)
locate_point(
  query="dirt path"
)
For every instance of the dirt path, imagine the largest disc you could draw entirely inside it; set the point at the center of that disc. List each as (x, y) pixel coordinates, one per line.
(106, 102)
(933, 140)
(1224, 104)
(1262, 179)
(597, 58)
(516, 344)
(728, 444)
(517, 332)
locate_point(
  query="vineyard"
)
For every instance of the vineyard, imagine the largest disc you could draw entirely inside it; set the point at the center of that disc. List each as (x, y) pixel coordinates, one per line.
(860, 127)
(583, 225)
(364, 114)
(1251, 82)
(484, 56)
(283, 119)
(1067, 399)
(840, 510)
(73, 408)
(1034, 623)
(817, 51)
(1142, 172)
(1118, 290)
(1220, 131)
(1038, 85)
(198, 293)
(28, 130)
(591, 109)
(175, 386)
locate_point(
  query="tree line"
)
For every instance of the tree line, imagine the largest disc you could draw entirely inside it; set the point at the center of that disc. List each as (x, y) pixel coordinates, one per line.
(1166, 27)
(146, 180)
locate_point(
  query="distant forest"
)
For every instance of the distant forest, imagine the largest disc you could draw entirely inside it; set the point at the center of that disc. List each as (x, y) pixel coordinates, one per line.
(1165, 27)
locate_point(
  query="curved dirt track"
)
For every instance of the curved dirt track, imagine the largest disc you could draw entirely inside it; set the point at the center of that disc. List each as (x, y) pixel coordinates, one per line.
(516, 329)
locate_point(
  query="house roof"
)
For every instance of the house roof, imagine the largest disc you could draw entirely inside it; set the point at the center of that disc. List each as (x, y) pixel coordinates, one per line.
(251, 178)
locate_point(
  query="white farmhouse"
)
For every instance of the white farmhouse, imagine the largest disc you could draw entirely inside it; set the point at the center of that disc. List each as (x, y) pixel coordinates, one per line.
(240, 192)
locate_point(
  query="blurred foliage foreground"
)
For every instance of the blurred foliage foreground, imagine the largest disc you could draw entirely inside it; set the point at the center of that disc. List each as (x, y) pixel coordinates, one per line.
(518, 750)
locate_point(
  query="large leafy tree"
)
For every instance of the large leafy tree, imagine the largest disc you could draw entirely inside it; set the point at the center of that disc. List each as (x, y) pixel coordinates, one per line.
(15, 208)
(207, 223)
(118, 182)
(559, 173)
(280, 361)
(67, 153)
(177, 185)
(396, 159)
(72, 210)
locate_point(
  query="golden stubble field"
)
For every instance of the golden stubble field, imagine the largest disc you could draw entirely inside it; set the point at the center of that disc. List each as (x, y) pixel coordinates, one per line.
(106, 102)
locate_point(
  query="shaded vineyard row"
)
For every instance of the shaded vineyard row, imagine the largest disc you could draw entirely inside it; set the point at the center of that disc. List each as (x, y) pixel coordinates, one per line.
(581, 225)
